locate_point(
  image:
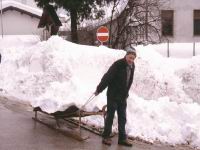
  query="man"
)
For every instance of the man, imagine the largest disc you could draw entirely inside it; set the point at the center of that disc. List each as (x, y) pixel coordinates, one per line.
(118, 79)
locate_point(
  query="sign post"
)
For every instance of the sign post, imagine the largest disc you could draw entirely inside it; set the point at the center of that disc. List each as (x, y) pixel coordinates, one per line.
(1, 20)
(102, 34)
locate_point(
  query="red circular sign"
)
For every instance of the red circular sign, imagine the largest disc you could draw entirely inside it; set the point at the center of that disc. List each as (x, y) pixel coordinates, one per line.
(103, 34)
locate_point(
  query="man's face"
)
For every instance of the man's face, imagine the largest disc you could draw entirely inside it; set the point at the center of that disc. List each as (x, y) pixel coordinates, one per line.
(130, 58)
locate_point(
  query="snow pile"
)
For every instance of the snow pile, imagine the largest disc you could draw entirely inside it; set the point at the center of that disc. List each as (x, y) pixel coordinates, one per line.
(190, 78)
(55, 74)
(164, 120)
(155, 76)
(56, 71)
(18, 41)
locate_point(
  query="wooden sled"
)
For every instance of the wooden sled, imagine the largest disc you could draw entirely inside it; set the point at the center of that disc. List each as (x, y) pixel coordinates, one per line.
(73, 128)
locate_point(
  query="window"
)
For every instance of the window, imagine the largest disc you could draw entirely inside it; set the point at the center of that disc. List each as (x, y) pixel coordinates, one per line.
(167, 18)
(196, 22)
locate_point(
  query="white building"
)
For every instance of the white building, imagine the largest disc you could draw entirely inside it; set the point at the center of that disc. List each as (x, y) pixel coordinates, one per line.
(20, 18)
(181, 20)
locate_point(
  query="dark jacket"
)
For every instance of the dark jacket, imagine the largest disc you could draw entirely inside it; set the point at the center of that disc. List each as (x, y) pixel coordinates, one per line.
(116, 80)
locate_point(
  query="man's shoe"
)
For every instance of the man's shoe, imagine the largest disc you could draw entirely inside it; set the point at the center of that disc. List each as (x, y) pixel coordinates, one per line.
(107, 141)
(125, 143)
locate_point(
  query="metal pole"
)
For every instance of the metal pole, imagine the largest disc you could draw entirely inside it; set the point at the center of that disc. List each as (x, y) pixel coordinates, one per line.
(193, 48)
(167, 48)
(1, 20)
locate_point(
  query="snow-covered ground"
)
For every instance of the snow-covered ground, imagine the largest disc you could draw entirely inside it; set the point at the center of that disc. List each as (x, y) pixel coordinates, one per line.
(164, 98)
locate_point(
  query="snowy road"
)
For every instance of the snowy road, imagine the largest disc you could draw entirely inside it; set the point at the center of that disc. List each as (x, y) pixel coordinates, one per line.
(19, 133)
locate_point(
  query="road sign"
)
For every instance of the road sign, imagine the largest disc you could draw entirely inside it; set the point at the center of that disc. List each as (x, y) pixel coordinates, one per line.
(103, 34)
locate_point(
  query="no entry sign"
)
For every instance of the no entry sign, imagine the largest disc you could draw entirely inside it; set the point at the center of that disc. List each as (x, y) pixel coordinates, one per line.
(103, 34)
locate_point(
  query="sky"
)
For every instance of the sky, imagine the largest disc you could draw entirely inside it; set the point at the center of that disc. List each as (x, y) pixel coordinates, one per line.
(56, 74)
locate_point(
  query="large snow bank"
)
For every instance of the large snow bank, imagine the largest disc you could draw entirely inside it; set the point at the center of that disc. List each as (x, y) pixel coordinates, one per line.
(55, 74)
(18, 41)
(155, 76)
(190, 76)
(164, 120)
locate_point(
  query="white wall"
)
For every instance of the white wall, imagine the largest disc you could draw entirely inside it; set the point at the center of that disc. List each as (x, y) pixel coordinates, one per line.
(15, 23)
(183, 19)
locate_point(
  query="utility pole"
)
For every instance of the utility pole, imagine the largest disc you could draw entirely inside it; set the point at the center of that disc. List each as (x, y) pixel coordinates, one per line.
(1, 20)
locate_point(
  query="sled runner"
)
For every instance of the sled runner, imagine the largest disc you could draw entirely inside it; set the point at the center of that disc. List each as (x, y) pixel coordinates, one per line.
(57, 119)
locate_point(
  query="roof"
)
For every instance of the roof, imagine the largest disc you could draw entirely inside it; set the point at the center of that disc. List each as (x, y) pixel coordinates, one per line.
(49, 11)
(13, 5)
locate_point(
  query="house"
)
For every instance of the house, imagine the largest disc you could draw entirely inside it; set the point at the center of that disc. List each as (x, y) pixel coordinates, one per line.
(20, 19)
(180, 20)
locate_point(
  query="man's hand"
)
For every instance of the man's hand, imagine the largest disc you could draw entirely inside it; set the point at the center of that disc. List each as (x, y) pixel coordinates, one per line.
(96, 93)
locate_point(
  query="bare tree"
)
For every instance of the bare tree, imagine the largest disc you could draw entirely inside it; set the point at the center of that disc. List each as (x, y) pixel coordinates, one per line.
(138, 23)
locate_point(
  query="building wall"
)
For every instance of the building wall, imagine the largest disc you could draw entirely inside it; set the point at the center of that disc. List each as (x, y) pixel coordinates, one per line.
(15, 23)
(183, 19)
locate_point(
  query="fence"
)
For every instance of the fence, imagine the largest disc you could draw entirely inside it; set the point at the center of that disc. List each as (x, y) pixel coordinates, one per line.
(182, 50)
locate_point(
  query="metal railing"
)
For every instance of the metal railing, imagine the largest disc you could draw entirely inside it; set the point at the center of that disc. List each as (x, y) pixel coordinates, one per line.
(192, 48)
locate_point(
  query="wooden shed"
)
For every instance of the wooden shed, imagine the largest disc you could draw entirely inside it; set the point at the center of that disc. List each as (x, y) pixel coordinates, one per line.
(50, 20)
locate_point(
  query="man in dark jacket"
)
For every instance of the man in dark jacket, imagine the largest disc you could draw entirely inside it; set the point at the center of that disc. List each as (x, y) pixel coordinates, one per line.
(118, 79)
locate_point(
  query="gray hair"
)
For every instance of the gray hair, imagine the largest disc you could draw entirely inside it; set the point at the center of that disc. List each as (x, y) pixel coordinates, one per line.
(131, 51)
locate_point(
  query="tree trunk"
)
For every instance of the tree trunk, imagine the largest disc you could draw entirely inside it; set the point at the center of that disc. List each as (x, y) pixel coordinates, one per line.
(146, 21)
(74, 33)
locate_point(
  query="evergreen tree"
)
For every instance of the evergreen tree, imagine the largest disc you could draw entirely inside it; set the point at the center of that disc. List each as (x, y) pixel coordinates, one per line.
(78, 10)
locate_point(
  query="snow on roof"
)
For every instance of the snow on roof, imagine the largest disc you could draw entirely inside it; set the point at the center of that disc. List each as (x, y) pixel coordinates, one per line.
(11, 3)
